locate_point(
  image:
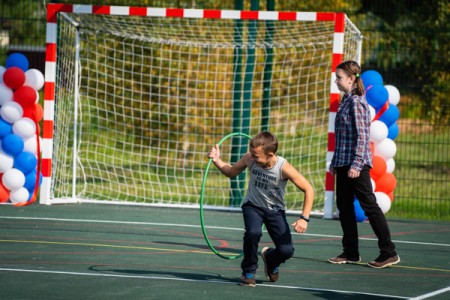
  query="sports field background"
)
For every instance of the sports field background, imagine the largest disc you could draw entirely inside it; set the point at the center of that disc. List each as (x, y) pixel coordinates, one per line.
(422, 160)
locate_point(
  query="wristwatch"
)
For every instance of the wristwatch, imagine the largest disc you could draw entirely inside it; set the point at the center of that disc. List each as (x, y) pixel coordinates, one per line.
(304, 218)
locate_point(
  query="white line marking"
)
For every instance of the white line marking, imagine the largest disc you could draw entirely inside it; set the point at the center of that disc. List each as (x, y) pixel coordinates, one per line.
(198, 226)
(425, 296)
(194, 280)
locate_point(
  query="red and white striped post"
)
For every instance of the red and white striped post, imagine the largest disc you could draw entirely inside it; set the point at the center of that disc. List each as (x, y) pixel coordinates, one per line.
(338, 53)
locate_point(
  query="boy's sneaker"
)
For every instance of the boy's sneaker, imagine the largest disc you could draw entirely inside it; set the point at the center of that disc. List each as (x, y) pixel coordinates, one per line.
(272, 274)
(248, 279)
(383, 262)
(344, 259)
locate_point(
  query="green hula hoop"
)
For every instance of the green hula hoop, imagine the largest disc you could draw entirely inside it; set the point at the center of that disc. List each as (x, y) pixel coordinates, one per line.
(202, 219)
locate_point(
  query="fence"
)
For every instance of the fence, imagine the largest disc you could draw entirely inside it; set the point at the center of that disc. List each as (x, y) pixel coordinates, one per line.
(423, 147)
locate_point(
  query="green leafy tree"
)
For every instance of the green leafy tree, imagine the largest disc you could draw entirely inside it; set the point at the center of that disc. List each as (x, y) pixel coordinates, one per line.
(414, 40)
(22, 21)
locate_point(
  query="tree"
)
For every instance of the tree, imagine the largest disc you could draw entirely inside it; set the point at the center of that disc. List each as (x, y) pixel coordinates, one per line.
(419, 32)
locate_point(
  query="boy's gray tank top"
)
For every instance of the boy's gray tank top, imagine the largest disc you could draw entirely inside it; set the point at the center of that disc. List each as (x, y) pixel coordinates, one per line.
(266, 187)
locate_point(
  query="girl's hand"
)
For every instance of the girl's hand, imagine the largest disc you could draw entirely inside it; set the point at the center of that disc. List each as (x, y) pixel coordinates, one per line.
(352, 173)
(332, 170)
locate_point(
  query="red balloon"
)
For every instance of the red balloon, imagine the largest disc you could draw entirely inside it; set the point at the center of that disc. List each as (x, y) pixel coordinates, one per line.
(25, 96)
(39, 112)
(391, 196)
(4, 193)
(14, 77)
(378, 167)
(386, 183)
(34, 112)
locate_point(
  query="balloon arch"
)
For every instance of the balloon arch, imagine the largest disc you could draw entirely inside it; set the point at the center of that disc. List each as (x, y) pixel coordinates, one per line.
(20, 114)
(383, 100)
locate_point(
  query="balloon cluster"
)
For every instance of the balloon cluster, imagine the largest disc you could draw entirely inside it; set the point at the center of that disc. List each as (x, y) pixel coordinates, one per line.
(20, 114)
(383, 100)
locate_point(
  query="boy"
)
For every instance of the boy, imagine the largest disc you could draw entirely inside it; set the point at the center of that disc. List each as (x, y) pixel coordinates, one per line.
(264, 204)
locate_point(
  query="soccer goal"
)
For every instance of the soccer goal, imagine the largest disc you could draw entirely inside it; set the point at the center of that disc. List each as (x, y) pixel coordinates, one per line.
(136, 97)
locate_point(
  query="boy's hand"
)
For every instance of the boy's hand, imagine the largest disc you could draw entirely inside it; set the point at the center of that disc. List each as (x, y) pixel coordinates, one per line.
(214, 153)
(300, 226)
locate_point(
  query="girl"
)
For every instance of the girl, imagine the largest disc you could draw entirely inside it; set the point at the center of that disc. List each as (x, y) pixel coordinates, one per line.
(351, 165)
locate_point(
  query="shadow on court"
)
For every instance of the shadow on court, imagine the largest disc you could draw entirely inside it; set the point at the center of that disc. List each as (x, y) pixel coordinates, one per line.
(119, 252)
(160, 274)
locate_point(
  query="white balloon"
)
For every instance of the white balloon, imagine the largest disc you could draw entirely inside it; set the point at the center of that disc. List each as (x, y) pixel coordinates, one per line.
(13, 179)
(19, 195)
(374, 185)
(373, 112)
(378, 131)
(386, 149)
(383, 201)
(24, 127)
(34, 78)
(6, 161)
(11, 112)
(390, 164)
(2, 70)
(394, 94)
(6, 94)
(30, 144)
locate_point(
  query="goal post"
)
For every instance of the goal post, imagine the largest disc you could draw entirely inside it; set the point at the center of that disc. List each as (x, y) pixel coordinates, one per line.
(135, 97)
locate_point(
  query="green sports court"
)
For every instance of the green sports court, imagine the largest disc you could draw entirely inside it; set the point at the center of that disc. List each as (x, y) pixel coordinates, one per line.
(92, 251)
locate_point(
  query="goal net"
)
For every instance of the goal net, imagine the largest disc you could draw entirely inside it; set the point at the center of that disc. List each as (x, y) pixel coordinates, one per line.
(141, 95)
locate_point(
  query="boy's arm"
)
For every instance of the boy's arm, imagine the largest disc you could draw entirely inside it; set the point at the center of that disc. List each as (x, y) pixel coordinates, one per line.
(228, 170)
(289, 172)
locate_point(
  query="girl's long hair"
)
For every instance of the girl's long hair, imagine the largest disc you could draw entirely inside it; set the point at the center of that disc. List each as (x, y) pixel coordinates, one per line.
(353, 69)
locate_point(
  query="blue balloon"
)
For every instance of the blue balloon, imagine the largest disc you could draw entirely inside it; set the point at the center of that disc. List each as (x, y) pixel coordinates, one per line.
(25, 162)
(5, 128)
(371, 77)
(359, 212)
(17, 60)
(390, 116)
(30, 181)
(393, 131)
(377, 96)
(12, 144)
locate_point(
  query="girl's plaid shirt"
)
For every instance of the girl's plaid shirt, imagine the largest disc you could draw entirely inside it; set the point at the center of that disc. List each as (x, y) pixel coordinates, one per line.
(352, 129)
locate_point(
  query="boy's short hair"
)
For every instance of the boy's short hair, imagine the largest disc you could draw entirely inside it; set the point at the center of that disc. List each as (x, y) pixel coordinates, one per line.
(266, 140)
